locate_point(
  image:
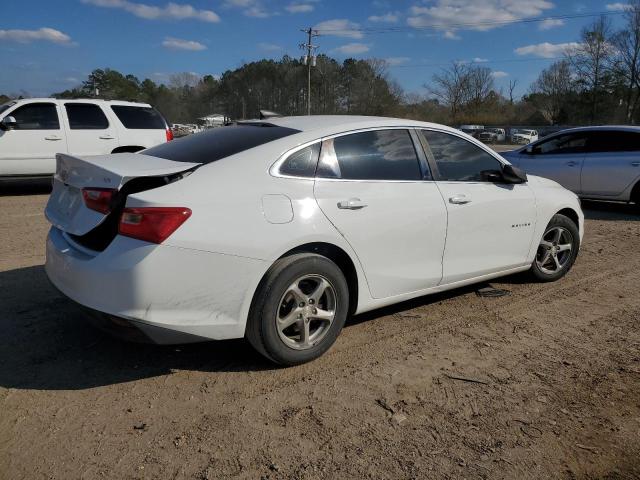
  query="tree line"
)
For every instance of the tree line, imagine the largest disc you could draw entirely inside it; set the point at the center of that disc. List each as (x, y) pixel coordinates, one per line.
(597, 82)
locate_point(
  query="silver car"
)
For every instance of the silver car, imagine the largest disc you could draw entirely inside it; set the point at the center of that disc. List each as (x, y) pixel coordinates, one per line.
(600, 163)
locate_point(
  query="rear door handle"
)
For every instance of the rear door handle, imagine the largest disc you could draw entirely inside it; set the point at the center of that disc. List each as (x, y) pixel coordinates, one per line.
(106, 137)
(459, 199)
(53, 138)
(635, 164)
(351, 204)
(572, 164)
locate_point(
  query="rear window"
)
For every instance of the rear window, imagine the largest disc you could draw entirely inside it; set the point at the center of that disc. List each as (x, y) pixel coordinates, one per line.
(139, 118)
(217, 143)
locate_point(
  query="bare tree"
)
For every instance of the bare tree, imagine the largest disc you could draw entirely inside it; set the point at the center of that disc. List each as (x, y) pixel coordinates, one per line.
(627, 46)
(592, 59)
(551, 89)
(479, 85)
(450, 86)
(512, 87)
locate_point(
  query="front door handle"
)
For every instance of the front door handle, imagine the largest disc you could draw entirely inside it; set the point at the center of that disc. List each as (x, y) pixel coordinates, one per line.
(572, 163)
(53, 138)
(635, 164)
(351, 204)
(106, 137)
(459, 200)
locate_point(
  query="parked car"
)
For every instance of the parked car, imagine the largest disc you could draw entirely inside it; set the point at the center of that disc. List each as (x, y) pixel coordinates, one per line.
(473, 130)
(492, 135)
(524, 136)
(279, 229)
(594, 162)
(33, 130)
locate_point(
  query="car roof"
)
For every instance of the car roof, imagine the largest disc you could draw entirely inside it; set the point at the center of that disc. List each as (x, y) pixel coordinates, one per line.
(629, 128)
(323, 125)
(82, 100)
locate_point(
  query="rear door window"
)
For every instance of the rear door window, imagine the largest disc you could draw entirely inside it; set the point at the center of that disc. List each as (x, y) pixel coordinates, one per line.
(459, 160)
(374, 155)
(36, 116)
(613, 141)
(139, 118)
(217, 143)
(86, 116)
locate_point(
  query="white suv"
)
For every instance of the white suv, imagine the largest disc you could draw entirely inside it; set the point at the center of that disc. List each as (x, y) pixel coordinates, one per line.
(33, 130)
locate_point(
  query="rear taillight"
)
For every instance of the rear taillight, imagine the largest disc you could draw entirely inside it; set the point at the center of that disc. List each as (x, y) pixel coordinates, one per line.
(98, 199)
(169, 134)
(152, 224)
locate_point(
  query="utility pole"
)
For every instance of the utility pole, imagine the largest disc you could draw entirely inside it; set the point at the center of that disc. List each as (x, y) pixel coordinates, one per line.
(309, 60)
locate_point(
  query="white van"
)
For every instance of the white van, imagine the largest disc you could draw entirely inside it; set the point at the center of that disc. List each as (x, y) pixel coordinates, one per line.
(33, 130)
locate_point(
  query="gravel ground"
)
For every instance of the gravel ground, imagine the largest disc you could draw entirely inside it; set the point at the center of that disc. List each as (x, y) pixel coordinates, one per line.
(542, 383)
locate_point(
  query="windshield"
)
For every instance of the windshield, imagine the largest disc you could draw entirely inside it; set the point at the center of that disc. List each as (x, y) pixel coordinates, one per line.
(221, 142)
(6, 106)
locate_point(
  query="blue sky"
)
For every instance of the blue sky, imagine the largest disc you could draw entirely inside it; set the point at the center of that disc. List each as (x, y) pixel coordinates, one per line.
(48, 46)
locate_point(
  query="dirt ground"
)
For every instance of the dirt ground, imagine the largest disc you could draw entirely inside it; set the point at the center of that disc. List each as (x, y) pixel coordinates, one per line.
(552, 385)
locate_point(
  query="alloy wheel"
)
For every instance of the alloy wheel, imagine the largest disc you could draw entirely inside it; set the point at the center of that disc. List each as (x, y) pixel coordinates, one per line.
(306, 311)
(554, 251)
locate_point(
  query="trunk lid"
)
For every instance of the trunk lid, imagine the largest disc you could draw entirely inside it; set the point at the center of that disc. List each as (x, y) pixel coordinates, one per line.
(66, 208)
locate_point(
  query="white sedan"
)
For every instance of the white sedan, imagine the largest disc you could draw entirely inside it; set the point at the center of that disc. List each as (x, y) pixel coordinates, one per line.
(278, 230)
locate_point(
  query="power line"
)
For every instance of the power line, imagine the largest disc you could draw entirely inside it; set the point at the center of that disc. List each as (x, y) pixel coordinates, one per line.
(454, 26)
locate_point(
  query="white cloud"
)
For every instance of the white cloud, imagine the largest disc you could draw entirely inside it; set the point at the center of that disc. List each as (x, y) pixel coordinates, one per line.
(269, 47)
(499, 74)
(550, 23)
(339, 27)
(251, 8)
(480, 60)
(451, 35)
(299, 8)
(451, 15)
(180, 44)
(42, 34)
(546, 49)
(386, 18)
(395, 61)
(173, 11)
(352, 49)
(618, 7)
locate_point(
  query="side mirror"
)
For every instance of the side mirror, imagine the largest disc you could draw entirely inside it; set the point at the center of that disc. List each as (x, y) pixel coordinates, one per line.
(529, 149)
(512, 174)
(9, 123)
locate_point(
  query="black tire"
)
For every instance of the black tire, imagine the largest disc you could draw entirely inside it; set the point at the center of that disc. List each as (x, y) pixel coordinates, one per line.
(635, 197)
(269, 302)
(570, 235)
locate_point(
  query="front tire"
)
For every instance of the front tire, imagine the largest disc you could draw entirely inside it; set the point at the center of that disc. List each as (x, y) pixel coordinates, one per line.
(299, 309)
(557, 250)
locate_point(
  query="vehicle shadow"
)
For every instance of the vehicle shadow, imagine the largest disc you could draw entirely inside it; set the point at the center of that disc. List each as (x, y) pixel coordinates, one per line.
(599, 210)
(47, 344)
(36, 186)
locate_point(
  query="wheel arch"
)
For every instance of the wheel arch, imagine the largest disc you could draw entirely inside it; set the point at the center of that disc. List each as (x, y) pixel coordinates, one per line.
(341, 258)
(635, 193)
(571, 214)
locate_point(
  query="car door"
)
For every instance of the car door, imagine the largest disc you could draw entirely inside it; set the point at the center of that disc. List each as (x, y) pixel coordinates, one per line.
(88, 129)
(374, 188)
(611, 163)
(30, 147)
(559, 158)
(490, 224)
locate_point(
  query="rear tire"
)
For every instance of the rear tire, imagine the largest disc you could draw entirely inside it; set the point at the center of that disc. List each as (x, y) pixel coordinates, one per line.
(299, 309)
(557, 250)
